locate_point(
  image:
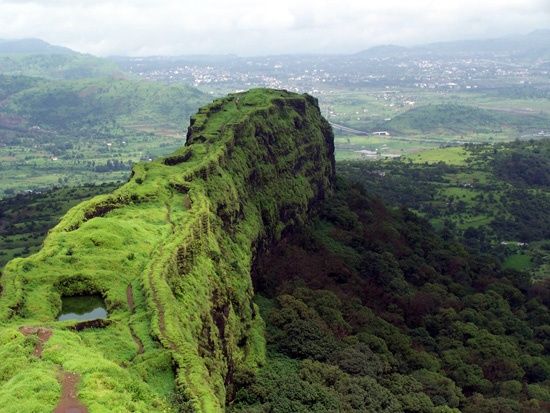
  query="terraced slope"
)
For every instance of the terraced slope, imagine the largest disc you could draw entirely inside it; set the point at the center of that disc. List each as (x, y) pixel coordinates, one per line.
(172, 253)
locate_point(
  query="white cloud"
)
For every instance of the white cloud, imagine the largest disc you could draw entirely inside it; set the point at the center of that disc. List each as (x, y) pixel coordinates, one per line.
(262, 27)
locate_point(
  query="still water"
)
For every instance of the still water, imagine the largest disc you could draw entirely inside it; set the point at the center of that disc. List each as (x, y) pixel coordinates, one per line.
(82, 308)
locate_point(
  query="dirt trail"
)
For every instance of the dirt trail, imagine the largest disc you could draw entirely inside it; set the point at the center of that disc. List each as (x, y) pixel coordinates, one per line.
(43, 334)
(137, 340)
(69, 402)
(132, 307)
(130, 298)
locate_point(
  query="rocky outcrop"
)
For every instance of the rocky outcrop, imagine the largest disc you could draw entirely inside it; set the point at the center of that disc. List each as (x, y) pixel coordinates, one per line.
(185, 231)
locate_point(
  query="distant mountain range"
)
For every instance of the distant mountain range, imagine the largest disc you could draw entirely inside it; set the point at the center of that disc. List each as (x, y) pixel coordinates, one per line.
(35, 57)
(31, 46)
(535, 45)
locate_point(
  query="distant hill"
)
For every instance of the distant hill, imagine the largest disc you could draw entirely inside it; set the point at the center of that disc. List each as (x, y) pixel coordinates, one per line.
(59, 132)
(33, 57)
(70, 105)
(383, 51)
(452, 118)
(32, 46)
(534, 45)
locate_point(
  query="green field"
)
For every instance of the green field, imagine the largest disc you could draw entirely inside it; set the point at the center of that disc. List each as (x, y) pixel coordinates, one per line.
(450, 156)
(520, 262)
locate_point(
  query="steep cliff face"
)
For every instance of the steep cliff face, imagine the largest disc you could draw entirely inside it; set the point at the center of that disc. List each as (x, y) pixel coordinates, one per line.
(171, 252)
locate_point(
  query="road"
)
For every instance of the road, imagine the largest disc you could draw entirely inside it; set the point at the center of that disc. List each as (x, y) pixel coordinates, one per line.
(400, 138)
(350, 130)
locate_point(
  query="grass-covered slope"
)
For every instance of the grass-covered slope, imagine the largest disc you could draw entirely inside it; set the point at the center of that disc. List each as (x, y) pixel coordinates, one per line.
(25, 219)
(171, 252)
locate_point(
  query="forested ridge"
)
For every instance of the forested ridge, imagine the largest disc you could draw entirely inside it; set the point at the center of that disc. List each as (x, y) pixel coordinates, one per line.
(369, 310)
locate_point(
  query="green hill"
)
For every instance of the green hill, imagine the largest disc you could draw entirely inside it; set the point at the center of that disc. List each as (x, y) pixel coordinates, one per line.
(34, 57)
(460, 119)
(31, 46)
(86, 131)
(69, 105)
(180, 238)
(57, 66)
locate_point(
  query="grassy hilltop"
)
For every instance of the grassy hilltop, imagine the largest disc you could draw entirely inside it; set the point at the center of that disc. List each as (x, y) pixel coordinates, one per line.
(171, 252)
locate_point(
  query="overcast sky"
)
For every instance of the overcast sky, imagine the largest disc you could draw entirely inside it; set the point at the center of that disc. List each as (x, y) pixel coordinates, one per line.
(254, 27)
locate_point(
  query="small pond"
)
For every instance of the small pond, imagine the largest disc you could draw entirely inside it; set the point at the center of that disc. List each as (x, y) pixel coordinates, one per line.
(82, 308)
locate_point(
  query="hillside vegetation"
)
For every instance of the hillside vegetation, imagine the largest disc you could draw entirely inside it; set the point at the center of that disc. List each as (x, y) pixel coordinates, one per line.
(494, 197)
(171, 253)
(34, 57)
(92, 103)
(369, 310)
(26, 218)
(77, 132)
(462, 119)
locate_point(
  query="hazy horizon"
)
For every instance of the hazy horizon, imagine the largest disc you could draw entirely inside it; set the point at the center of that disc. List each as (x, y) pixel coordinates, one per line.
(247, 28)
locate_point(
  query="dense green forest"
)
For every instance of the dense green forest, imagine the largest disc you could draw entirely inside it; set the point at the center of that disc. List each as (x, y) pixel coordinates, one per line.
(494, 197)
(369, 310)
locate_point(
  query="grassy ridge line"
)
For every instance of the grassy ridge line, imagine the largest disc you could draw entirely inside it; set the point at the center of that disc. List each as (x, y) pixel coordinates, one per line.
(165, 321)
(167, 324)
(123, 197)
(187, 226)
